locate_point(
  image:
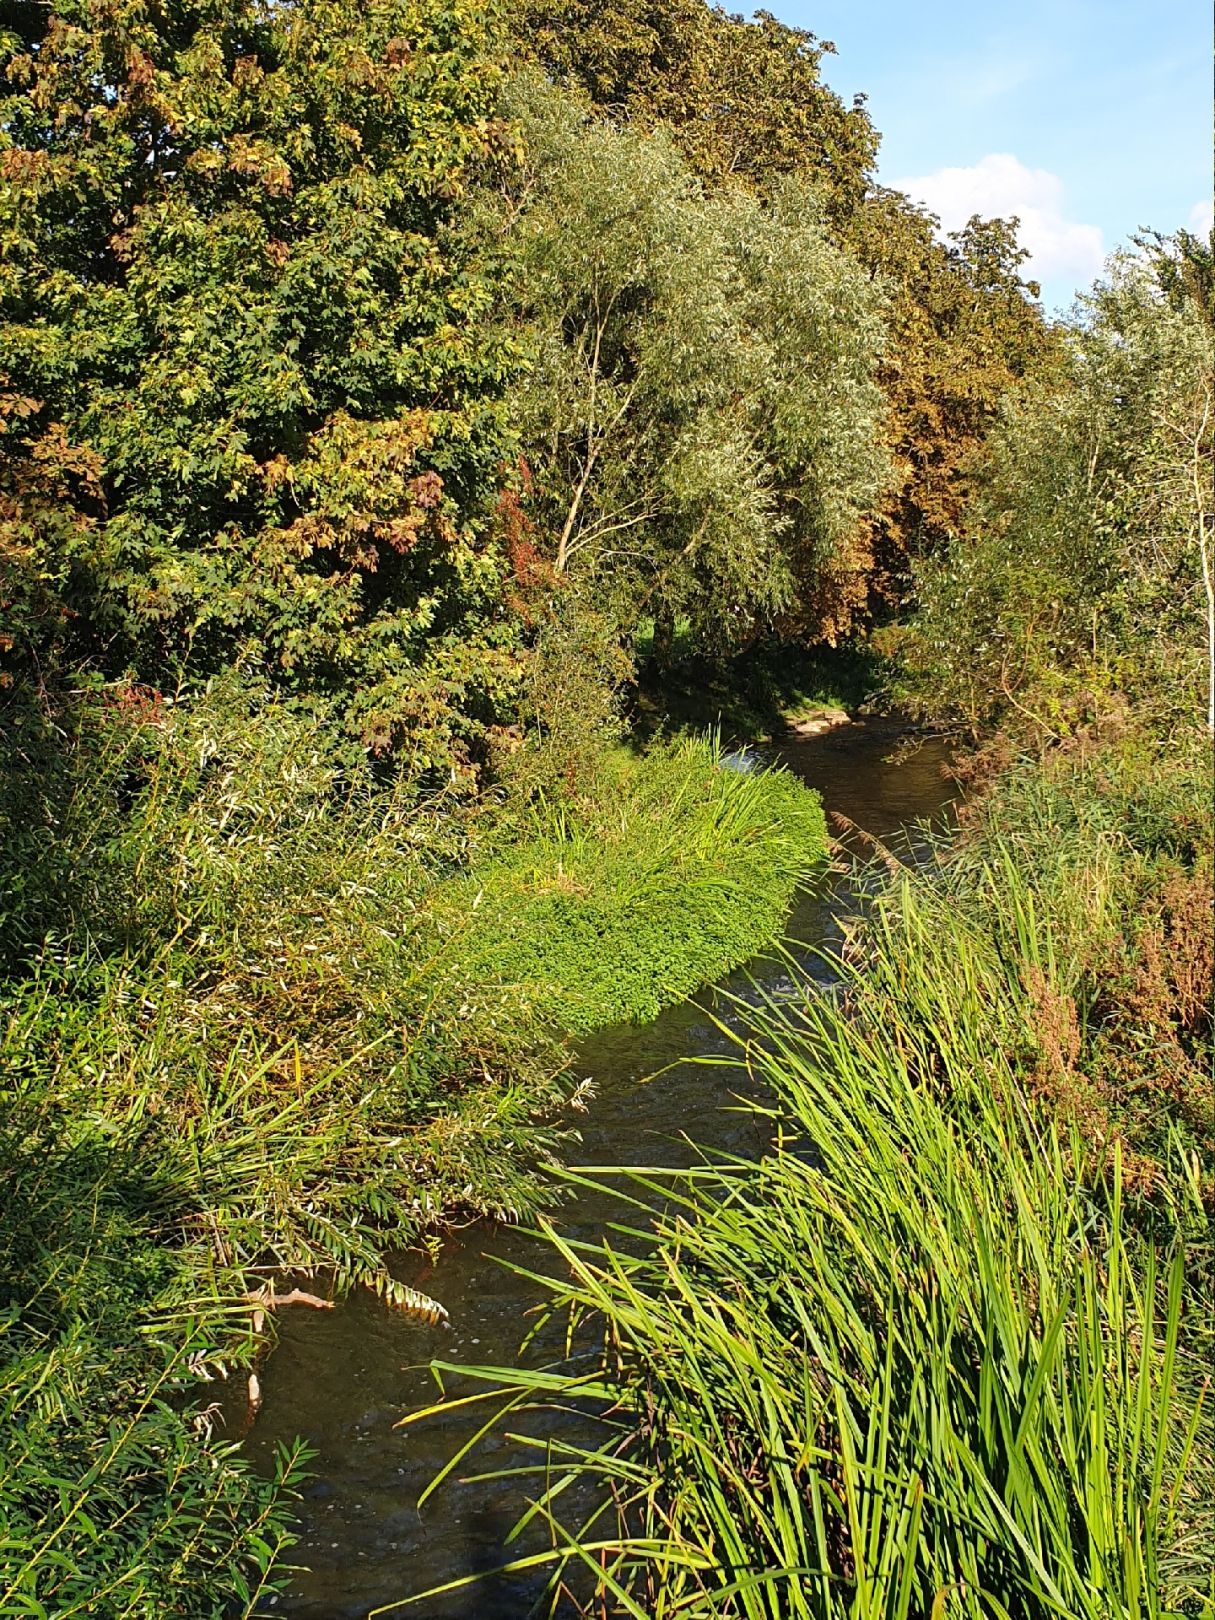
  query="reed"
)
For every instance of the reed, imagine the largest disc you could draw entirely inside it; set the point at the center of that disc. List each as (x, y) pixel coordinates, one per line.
(944, 1350)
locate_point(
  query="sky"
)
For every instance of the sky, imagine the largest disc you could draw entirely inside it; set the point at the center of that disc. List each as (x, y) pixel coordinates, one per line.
(1090, 119)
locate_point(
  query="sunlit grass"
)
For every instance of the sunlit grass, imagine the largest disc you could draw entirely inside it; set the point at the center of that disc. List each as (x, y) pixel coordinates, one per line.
(944, 1350)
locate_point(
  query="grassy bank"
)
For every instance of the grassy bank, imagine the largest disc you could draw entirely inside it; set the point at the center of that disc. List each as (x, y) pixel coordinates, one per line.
(263, 1016)
(655, 876)
(945, 1350)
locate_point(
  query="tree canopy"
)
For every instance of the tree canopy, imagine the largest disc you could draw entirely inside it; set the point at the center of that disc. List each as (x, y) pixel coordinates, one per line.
(1088, 549)
(699, 416)
(744, 100)
(747, 106)
(331, 347)
(251, 405)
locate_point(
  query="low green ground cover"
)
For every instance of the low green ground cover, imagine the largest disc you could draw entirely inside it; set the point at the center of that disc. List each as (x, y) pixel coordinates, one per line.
(944, 1351)
(263, 1016)
(665, 871)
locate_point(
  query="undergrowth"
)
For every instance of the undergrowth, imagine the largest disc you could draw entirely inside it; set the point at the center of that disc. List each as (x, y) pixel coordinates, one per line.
(265, 1015)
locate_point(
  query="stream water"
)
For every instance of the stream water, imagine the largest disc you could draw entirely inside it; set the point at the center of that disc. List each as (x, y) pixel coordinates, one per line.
(342, 1379)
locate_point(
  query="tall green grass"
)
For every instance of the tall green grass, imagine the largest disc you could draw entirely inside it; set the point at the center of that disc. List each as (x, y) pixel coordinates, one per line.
(262, 1016)
(938, 1353)
(119, 1494)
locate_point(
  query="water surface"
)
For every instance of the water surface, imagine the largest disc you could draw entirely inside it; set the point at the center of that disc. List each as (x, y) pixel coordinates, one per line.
(342, 1379)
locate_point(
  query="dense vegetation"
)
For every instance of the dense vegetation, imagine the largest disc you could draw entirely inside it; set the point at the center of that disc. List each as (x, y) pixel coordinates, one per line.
(947, 1347)
(390, 394)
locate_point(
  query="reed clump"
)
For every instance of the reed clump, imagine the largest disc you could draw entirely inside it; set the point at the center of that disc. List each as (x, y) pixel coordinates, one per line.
(945, 1349)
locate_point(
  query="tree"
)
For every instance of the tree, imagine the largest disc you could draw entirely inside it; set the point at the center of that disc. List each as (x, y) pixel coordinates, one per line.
(250, 406)
(1184, 265)
(964, 330)
(1089, 544)
(700, 418)
(746, 105)
(744, 100)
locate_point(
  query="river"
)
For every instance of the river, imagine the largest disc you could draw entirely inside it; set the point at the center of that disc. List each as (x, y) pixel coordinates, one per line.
(342, 1379)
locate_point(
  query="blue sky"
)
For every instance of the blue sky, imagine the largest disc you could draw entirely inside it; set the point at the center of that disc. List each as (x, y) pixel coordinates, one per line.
(1088, 119)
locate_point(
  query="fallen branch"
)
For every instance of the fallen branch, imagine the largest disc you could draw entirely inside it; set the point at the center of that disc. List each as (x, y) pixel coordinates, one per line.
(268, 1300)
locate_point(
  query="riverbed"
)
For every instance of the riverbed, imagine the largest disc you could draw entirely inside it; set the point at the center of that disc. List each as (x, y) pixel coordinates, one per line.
(343, 1379)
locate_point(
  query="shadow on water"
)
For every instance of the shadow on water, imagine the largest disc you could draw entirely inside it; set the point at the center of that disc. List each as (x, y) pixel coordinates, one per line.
(342, 1379)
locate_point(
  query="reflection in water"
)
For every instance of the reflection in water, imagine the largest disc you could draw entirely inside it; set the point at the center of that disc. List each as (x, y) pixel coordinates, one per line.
(343, 1378)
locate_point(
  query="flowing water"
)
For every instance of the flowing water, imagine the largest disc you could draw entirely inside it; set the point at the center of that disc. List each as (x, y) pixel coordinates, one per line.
(342, 1379)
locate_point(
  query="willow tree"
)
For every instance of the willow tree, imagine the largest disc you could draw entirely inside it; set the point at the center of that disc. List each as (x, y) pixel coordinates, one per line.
(700, 417)
(250, 408)
(746, 103)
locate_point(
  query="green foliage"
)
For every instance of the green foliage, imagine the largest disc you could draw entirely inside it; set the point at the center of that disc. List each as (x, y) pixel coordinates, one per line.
(1185, 267)
(318, 841)
(648, 877)
(248, 394)
(700, 419)
(944, 1349)
(1090, 549)
(760, 692)
(1112, 838)
(744, 100)
(745, 104)
(116, 1496)
(116, 1504)
(265, 1015)
(962, 331)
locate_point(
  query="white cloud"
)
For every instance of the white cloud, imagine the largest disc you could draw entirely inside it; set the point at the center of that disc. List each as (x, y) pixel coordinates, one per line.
(1060, 249)
(1202, 218)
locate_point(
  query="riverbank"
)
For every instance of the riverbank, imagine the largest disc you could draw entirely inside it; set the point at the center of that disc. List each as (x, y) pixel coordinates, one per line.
(301, 1023)
(343, 1379)
(948, 1342)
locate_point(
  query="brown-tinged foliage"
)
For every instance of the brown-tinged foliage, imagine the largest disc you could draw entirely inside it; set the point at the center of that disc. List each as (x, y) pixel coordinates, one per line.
(250, 405)
(963, 331)
(744, 100)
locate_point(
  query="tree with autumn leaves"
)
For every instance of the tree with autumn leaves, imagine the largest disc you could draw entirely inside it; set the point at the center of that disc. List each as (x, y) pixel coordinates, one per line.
(252, 409)
(746, 105)
(313, 316)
